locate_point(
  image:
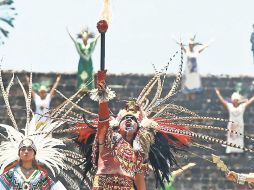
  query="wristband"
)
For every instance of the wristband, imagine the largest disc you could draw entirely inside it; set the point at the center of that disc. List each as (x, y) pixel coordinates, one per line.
(241, 179)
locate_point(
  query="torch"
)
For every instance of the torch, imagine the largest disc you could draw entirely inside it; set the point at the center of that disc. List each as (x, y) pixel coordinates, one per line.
(102, 27)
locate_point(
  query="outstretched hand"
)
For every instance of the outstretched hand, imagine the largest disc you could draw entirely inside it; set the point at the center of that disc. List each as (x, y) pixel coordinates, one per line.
(232, 176)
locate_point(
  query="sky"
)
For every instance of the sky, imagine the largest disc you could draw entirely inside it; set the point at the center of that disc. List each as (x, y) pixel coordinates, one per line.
(139, 35)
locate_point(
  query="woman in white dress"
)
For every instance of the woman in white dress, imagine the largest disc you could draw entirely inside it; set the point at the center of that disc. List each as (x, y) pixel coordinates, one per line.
(192, 80)
(236, 110)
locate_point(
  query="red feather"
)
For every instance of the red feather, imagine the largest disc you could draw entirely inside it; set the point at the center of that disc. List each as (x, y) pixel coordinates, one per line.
(84, 131)
(184, 139)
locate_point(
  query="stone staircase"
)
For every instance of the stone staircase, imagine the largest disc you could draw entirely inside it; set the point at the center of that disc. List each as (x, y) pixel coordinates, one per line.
(204, 176)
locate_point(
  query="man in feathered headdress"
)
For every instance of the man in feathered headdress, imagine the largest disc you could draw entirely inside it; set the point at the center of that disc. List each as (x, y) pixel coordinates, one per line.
(123, 146)
(117, 150)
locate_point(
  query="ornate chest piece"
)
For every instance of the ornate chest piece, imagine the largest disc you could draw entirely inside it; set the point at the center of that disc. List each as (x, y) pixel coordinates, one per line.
(25, 186)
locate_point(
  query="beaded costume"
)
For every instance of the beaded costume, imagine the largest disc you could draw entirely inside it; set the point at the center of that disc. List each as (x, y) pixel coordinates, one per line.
(15, 179)
(149, 131)
(165, 129)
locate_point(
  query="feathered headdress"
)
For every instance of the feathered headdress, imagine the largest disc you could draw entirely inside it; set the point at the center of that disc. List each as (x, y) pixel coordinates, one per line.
(50, 152)
(165, 128)
(87, 32)
(43, 84)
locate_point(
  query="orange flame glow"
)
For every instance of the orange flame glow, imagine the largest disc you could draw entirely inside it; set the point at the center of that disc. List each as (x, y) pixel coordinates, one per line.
(106, 11)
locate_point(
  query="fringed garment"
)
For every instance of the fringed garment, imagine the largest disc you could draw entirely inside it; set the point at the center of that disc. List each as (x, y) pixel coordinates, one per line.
(112, 182)
(119, 158)
(14, 179)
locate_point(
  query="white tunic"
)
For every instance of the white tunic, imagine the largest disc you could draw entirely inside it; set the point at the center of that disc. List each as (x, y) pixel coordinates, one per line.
(41, 107)
(237, 124)
(192, 81)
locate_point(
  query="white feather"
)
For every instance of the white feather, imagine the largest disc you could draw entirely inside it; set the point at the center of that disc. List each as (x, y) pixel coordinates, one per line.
(50, 151)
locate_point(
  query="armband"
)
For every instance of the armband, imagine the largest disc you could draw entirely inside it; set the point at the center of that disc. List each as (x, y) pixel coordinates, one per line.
(241, 179)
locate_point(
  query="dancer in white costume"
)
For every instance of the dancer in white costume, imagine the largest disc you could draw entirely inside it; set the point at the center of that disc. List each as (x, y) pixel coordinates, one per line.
(192, 81)
(42, 100)
(236, 112)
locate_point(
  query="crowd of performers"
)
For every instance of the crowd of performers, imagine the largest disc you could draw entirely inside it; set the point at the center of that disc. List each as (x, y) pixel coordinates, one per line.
(107, 151)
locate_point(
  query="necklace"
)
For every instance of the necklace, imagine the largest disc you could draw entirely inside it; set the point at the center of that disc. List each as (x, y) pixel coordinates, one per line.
(27, 171)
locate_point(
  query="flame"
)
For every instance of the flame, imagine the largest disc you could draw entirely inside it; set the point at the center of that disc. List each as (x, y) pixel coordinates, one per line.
(106, 11)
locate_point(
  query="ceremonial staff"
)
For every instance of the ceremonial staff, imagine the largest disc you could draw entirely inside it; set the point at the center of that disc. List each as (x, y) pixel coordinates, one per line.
(102, 27)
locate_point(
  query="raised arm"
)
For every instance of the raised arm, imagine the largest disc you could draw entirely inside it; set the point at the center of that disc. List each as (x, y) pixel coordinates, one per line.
(72, 38)
(74, 41)
(52, 91)
(222, 100)
(183, 169)
(250, 178)
(240, 178)
(103, 123)
(97, 37)
(93, 44)
(179, 43)
(250, 101)
(205, 46)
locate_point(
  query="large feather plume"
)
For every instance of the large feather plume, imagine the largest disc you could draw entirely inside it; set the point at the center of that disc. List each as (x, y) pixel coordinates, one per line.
(51, 151)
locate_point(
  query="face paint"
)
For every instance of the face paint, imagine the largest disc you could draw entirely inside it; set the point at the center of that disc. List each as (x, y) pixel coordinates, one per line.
(128, 127)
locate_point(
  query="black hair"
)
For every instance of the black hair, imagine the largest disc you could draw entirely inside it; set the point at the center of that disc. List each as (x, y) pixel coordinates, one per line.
(162, 158)
(31, 147)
